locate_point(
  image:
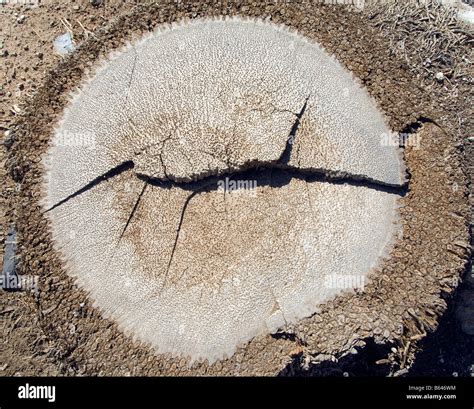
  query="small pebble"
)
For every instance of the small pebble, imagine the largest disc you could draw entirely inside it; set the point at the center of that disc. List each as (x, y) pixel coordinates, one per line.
(20, 19)
(439, 76)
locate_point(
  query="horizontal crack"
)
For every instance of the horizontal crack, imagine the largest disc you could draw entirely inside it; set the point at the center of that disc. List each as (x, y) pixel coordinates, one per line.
(308, 175)
(274, 175)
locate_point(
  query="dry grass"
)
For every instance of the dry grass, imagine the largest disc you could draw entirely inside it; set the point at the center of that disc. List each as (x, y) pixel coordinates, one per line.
(441, 40)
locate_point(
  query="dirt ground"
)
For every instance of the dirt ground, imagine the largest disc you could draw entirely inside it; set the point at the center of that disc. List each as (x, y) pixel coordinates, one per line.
(27, 54)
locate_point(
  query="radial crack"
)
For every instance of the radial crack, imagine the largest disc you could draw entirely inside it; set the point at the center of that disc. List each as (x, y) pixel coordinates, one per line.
(277, 305)
(285, 156)
(132, 213)
(115, 171)
(134, 64)
(178, 230)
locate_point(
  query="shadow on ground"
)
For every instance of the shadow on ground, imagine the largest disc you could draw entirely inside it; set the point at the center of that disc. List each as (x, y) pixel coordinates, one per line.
(446, 352)
(361, 364)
